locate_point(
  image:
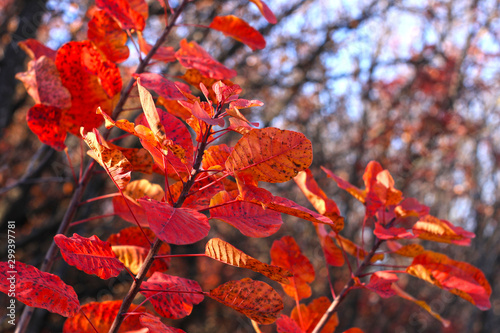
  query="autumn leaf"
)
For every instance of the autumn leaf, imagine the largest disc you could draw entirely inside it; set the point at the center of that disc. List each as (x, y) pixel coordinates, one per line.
(286, 253)
(44, 85)
(194, 77)
(191, 55)
(39, 289)
(89, 80)
(224, 252)
(198, 199)
(355, 250)
(124, 13)
(131, 247)
(102, 315)
(173, 296)
(285, 324)
(163, 53)
(345, 185)
(250, 219)
(215, 157)
(240, 30)
(317, 197)
(175, 225)
(265, 11)
(154, 325)
(437, 230)
(133, 191)
(160, 85)
(457, 277)
(34, 49)
(91, 255)
(108, 36)
(44, 121)
(312, 313)
(410, 250)
(271, 155)
(381, 282)
(255, 299)
(391, 233)
(112, 160)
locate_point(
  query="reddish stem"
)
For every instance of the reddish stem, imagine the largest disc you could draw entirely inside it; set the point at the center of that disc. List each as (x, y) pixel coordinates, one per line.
(92, 218)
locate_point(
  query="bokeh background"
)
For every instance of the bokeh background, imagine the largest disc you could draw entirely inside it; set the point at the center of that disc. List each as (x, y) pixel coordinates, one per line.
(413, 85)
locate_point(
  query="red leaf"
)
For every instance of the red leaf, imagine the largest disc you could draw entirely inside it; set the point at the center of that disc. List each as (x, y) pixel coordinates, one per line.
(312, 313)
(174, 297)
(437, 230)
(43, 83)
(289, 207)
(123, 12)
(130, 242)
(250, 219)
(34, 49)
(191, 55)
(285, 324)
(154, 325)
(175, 225)
(102, 315)
(160, 85)
(391, 233)
(345, 185)
(240, 30)
(91, 255)
(38, 289)
(107, 35)
(44, 121)
(163, 53)
(287, 254)
(459, 278)
(78, 64)
(381, 283)
(265, 11)
(255, 299)
(199, 199)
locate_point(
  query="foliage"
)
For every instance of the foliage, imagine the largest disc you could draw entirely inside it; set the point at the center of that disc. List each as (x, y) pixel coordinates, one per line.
(79, 87)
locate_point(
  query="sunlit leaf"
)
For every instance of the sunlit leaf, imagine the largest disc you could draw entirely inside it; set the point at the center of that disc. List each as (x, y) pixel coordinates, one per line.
(286, 253)
(345, 185)
(191, 55)
(39, 289)
(271, 155)
(154, 325)
(112, 160)
(289, 207)
(160, 85)
(355, 250)
(265, 11)
(285, 324)
(391, 233)
(312, 313)
(123, 12)
(163, 53)
(410, 250)
(175, 225)
(250, 219)
(34, 49)
(459, 278)
(381, 283)
(91, 255)
(108, 36)
(437, 230)
(131, 247)
(255, 299)
(222, 251)
(240, 30)
(102, 315)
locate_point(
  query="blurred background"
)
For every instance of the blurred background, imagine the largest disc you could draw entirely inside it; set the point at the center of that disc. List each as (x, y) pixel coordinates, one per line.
(413, 85)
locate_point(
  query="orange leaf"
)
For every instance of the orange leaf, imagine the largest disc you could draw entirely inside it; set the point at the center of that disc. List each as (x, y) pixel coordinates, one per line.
(285, 324)
(289, 207)
(410, 250)
(107, 35)
(271, 155)
(44, 121)
(355, 250)
(401, 293)
(89, 79)
(175, 225)
(194, 78)
(131, 248)
(312, 313)
(224, 252)
(381, 283)
(112, 160)
(173, 296)
(43, 83)
(436, 230)
(91, 255)
(199, 199)
(318, 198)
(354, 330)
(38, 289)
(124, 13)
(255, 299)
(265, 11)
(215, 157)
(102, 315)
(191, 55)
(345, 185)
(459, 278)
(250, 219)
(286, 253)
(240, 30)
